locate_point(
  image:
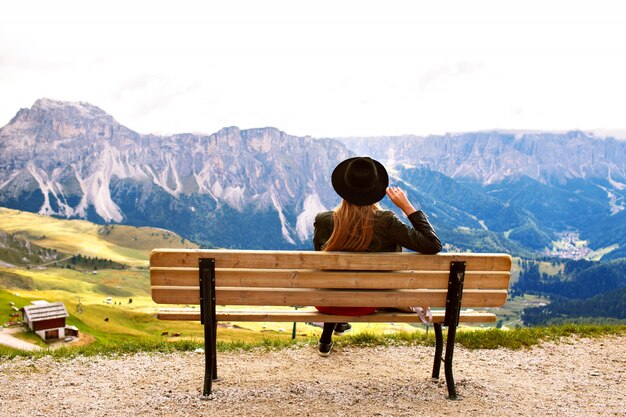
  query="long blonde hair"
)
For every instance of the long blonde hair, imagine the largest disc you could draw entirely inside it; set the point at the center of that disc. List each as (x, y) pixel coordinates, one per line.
(352, 227)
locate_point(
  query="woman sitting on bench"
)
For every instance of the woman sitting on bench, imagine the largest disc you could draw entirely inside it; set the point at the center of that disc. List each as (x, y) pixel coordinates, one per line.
(359, 224)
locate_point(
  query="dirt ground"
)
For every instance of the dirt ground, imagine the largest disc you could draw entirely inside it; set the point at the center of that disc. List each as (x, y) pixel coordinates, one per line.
(577, 377)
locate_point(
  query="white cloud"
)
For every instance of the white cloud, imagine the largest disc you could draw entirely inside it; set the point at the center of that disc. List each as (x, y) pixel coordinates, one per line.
(321, 68)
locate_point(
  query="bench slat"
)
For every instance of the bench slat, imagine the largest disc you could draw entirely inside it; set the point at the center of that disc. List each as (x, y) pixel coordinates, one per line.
(315, 316)
(294, 278)
(328, 260)
(314, 297)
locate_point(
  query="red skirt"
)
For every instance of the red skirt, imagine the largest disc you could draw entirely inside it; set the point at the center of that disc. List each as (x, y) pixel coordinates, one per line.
(346, 311)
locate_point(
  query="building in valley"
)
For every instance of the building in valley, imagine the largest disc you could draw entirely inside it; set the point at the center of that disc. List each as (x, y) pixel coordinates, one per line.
(48, 320)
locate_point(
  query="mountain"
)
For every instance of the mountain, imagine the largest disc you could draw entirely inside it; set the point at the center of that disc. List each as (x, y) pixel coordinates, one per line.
(229, 188)
(260, 188)
(547, 183)
(495, 156)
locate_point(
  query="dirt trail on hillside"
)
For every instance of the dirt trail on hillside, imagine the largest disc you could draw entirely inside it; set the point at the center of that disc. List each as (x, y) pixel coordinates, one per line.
(581, 377)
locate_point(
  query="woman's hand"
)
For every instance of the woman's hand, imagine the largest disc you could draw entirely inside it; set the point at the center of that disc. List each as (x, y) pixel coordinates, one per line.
(398, 197)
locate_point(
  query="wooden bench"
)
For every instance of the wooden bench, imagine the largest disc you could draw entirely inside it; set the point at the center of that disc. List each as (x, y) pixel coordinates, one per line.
(306, 278)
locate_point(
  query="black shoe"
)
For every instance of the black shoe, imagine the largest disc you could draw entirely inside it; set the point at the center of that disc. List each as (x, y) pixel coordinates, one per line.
(325, 348)
(341, 328)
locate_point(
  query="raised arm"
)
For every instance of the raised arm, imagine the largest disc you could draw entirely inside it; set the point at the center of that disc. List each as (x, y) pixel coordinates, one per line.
(421, 237)
(399, 198)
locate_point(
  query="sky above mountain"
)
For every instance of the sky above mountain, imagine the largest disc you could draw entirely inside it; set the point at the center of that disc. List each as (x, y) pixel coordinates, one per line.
(321, 68)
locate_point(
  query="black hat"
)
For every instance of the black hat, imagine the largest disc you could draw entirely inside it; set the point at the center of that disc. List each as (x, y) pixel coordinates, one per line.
(361, 181)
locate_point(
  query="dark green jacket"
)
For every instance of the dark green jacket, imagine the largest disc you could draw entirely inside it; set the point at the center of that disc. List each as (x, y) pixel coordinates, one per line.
(390, 233)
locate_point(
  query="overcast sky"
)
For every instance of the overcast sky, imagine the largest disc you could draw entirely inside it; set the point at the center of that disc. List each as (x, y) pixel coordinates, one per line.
(321, 68)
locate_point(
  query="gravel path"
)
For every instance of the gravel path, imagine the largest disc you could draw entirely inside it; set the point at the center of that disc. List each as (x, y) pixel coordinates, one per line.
(582, 377)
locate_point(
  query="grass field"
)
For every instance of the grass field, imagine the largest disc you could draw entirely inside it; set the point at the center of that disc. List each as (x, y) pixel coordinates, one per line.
(124, 244)
(131, 313)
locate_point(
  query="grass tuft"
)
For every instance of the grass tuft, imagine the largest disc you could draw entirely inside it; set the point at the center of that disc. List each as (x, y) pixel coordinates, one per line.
(471, 339)
(488, 339)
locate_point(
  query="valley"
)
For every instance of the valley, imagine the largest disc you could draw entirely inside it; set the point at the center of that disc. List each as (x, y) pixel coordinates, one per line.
(114, 305)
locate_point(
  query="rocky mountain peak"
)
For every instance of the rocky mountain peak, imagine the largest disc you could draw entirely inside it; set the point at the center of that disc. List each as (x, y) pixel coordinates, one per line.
(47, 109)
(493, 156)
(60, 122)
(74, 160)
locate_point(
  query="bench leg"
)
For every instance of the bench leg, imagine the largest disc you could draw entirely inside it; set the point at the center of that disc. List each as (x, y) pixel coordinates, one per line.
(448, 362)
(438, 349)
(448, 358)
(207, 314)
(210, 358)
(214, 374)
(453, 310)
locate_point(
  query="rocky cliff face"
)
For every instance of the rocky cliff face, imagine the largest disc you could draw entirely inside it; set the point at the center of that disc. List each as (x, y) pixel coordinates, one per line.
(491, 157)
(74, 160)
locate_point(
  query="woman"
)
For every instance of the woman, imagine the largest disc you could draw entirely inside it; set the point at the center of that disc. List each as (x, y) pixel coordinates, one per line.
(359, 224)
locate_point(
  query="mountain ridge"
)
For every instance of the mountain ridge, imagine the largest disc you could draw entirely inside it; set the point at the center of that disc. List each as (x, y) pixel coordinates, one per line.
(538, 155)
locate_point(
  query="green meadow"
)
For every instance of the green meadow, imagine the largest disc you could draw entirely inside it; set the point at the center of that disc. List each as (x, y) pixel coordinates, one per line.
(124, 244)
(114, 307)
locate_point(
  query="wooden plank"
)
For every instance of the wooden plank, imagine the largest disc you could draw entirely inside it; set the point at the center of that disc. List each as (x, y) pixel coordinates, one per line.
(328, 260)
(312, 297)
(293, 278)
(313, 316)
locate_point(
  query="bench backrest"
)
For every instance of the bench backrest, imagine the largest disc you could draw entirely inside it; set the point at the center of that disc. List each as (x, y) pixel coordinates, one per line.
(307, 278)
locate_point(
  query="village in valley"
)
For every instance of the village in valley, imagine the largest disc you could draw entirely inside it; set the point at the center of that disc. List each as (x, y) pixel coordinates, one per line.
(569, 246)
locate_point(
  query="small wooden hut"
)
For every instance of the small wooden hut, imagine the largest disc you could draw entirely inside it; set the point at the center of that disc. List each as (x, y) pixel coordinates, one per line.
(47, 320)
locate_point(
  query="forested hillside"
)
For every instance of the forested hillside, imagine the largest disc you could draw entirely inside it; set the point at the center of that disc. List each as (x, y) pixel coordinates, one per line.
(582, 291)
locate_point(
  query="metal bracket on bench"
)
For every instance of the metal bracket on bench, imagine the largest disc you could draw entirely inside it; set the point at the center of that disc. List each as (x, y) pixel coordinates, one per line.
(453, 313)
(207, 318)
